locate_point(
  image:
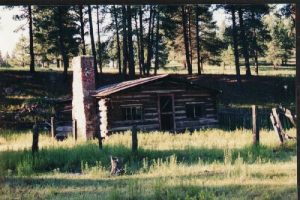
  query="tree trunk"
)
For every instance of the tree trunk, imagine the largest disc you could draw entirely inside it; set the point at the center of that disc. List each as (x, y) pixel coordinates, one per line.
(61, 43)
(149, 45)
(118, 40)
(31, 41)
(138, 43)
(125, 47)
(198, 41)
(156, 43)
(82, 30)
(255, 44)
(190, 36)
(57, 63)
(256, 62)
(99, 42)
(142, 40)
(235, 47)
(93, 42)
(244, 43)
(152, 38)
(186, 40)
(130, 44)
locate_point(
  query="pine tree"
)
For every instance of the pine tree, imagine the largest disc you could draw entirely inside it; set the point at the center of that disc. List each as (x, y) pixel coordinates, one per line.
(93, 41)
(26, 13)
(130, 44)
(58, 32)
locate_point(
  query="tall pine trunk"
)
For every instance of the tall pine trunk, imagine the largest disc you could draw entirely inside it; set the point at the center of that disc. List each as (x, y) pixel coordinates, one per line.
(31, 41)
(61, 43)
(118, 39)
(198, 41)
(93, 41)
(255, 44)
(130, 44)
(138, 43)
(142, 40)
(235, 47)
(149, 45)
(156, 43)
(125, 47)
(244, 43)
(186, 40)
(190, 36)
(82, 30)
(99, 41)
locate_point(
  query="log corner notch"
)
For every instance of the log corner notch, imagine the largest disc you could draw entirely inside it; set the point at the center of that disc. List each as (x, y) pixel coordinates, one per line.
(274, 116)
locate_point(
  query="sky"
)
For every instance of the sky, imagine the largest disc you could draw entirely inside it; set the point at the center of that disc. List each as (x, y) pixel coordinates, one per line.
(9, 37)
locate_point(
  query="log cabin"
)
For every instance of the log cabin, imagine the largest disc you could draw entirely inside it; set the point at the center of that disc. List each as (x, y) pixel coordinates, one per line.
(161, 102)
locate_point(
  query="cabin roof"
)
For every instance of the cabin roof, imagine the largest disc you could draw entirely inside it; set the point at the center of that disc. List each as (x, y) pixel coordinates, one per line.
(117, 87)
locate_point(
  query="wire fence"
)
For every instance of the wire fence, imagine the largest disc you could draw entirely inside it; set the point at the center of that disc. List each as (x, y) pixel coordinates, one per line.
(241, 118)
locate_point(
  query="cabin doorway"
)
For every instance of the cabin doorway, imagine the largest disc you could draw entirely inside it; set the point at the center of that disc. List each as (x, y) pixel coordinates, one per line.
(166, 108)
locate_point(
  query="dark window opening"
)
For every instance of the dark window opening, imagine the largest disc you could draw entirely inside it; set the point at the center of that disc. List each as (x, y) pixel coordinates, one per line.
(195, 110)
(131, 112)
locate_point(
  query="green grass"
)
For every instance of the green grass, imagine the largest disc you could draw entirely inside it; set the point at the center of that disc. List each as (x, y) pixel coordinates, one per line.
(182, 166)
(208, 164)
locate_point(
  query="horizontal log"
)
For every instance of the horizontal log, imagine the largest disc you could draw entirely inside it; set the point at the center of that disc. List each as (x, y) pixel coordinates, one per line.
(184, 99)
(130, 96)
(179, 112)
(180, 117)
(196, 95)
(150, 109)
(192, 123)
(161, 91)
(140, 127)
(150, 114)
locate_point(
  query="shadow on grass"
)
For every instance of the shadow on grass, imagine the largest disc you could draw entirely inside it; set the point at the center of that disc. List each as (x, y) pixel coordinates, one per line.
(145, 188)
(72, 159)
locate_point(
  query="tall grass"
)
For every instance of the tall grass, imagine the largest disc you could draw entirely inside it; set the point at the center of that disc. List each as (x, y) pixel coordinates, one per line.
(156, 150)
(208, 164)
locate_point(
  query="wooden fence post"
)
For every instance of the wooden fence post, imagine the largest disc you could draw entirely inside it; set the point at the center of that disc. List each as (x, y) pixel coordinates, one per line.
(74, 129)
(134, 139)
(35, 139)
(277, 125)
(255, 125)
(100, 138)
(52, 127)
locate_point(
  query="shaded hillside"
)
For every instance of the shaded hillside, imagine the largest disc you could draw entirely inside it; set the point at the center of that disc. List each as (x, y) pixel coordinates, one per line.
(21, 92)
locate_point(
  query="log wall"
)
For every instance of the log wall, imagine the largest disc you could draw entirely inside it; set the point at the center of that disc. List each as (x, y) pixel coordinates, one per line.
(147, 97)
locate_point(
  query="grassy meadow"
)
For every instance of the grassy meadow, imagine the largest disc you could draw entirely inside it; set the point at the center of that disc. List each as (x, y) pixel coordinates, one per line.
(207, 164)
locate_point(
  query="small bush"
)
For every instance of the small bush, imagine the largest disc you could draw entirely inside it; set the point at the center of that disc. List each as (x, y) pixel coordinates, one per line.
(24, 168)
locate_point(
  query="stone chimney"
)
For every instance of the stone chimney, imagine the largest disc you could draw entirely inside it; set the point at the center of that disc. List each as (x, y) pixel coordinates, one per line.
(83, 104)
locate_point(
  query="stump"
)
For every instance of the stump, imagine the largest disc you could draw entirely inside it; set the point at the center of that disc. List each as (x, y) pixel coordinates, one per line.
(116, 166)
